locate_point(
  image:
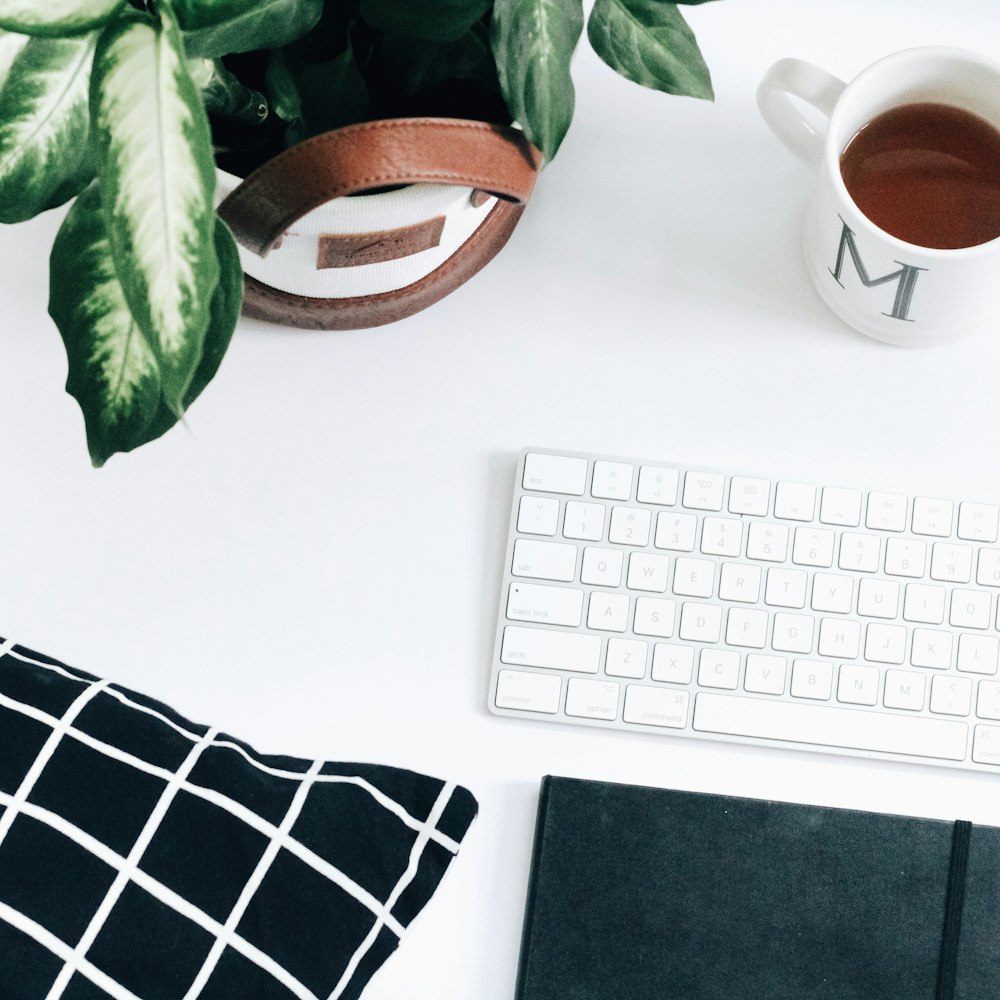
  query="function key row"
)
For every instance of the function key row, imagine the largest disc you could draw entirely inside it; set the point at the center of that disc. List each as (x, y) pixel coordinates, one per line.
(707, 491)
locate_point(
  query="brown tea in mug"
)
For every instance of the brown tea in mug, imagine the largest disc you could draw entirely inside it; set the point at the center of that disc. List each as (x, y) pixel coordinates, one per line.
(928, 174)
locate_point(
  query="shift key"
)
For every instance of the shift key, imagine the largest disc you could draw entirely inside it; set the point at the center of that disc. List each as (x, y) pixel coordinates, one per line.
(539, 647)
(544, 560)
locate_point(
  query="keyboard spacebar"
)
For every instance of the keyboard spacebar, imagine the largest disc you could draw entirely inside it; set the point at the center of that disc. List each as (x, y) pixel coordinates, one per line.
(832, 727)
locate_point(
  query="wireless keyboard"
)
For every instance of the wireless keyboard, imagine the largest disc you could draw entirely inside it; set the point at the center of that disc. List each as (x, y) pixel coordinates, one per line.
(659, 598)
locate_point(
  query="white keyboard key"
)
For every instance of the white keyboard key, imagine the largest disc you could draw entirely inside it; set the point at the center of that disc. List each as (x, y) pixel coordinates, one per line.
(649, 706)
(700, 622)
(859, 553)
(592, 699)
(988, 568)
(765, 674)
(951, 695)
(608, 612)
(951, 563)
(857, 685)
(932, 517)
(885, 643)
(986, 745)
(612, 481)
(648, 571)
(722, 536)
(978, 654)
(739, 582)
(988, 701)
(584, 520)
(602, 567)
(654, 616)
(538, 647)
(544, 560)
(795, 501)
(924, 603)
(626, 658)
(555, 474)
(813, 547)
(977, 522)
(931, 648)
(629, 526)
(527, 692)
(878, 598)
(749, 496)
(904, 689)
(675, 531)
(839, 638)
(767, 542)
(538, 516)
(829, 726)
(704, 490)
(529, 602)
(970, 609)
(886, 512)
(812, 679)
(719, 668)
(792, 633)
(657, 485)
(832, 592)
(906, 557)
(786, 588)
(694, 577)
(840, 506)
(747, 627)
(672, 664)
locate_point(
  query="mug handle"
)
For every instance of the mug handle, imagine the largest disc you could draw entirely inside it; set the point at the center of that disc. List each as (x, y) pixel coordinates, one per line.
(809, 83)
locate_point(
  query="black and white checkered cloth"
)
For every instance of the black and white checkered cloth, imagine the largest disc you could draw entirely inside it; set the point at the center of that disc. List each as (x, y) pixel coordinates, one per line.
(143, 857)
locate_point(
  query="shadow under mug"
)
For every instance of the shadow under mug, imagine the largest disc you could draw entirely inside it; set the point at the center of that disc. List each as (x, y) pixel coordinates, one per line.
(889, 289)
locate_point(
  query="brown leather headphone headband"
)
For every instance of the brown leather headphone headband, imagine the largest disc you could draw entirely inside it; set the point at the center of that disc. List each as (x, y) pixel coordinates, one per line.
(493, 158)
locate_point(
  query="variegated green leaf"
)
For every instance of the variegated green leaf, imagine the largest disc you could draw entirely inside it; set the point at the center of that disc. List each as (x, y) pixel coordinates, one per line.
(226, 304)
(157, 181)
(650, 43)
(533, 42)
(113, 373)
(10, 45)
(44, 126)
(56, 18)
(220, 27)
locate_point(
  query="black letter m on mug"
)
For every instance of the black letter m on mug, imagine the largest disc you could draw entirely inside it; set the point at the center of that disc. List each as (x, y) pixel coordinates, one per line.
(906, 276)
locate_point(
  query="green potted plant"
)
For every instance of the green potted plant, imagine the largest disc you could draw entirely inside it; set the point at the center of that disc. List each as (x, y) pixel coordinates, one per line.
(133, 107)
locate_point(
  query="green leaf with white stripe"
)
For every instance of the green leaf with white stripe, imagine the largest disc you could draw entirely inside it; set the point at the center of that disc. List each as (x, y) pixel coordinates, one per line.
(650, 43)
(220, 27)
(45, 126)
(113, 373)
(533, 42)
(226, 304)
(56, 18)
(10, 47)
(157, 182)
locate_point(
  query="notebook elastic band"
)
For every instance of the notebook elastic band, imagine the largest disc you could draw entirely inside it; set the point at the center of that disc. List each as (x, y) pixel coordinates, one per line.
(953, 903)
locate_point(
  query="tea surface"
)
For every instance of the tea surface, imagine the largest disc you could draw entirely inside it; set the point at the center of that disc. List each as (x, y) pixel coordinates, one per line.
(928, 174)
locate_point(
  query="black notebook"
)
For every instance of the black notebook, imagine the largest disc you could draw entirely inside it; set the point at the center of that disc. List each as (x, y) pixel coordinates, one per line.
(649, 894)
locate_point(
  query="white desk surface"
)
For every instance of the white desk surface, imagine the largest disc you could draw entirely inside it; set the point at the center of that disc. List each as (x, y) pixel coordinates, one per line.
(314, 563)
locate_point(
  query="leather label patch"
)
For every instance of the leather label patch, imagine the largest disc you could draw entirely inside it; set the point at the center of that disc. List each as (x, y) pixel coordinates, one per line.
(358, 249)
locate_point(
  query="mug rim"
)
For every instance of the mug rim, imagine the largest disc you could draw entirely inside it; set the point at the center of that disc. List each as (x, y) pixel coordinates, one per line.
(832, 150)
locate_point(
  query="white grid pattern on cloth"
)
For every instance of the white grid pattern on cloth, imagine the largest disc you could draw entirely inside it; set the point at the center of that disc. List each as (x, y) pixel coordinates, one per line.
(404, 880)
(253, 883)
(238, 810)
(161, 893)
(62, 727)
(124, 875)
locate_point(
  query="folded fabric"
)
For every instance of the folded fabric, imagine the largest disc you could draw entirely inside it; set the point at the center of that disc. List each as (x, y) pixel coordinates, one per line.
(143, 857)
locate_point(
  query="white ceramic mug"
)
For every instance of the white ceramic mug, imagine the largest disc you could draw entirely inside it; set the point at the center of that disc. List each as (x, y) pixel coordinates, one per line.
(883, 286)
